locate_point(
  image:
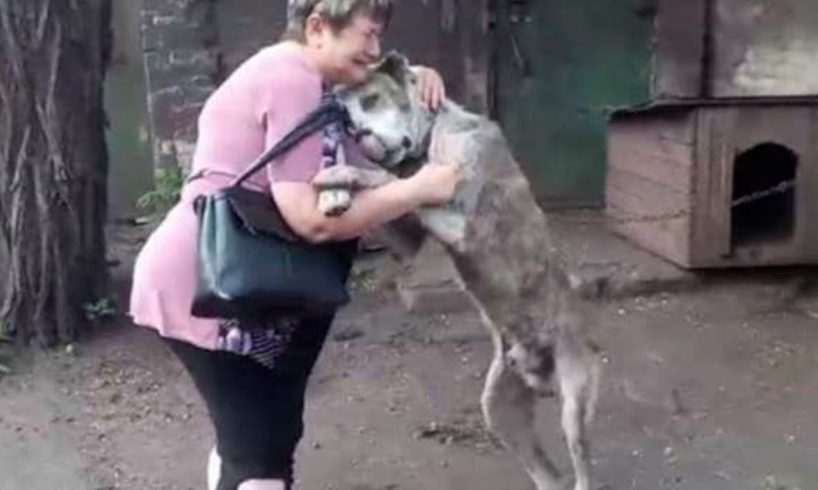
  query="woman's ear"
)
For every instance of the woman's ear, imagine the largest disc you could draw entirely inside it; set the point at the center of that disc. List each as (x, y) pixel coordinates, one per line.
(314, 29)
(396, 66)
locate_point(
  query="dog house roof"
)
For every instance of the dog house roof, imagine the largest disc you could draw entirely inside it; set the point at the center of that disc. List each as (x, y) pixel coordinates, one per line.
(672, 105)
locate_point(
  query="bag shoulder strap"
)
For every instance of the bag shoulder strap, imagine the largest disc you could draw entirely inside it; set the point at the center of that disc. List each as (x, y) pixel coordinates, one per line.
(328, 112)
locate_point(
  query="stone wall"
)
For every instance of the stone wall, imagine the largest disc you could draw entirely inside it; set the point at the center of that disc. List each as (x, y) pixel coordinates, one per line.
(244, 26)
(191, 45)
(182, 67)
(749, 48)
(766, 48)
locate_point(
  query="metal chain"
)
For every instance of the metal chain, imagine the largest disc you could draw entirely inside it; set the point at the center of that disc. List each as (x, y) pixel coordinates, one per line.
(780, 188)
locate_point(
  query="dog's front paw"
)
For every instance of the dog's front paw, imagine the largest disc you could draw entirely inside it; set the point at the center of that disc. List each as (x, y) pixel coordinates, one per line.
(336, 177)
(334, 202)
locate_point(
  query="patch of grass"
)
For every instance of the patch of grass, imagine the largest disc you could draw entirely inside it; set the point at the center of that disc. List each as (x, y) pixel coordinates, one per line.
(363, 280)
(5, 353)
(100, 310)
(168, 183)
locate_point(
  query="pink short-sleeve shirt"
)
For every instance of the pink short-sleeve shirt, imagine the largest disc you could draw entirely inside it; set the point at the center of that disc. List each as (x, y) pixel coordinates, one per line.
(258, 104)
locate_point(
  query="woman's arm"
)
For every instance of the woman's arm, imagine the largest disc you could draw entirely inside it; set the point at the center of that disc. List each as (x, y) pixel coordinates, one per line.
(298, 202)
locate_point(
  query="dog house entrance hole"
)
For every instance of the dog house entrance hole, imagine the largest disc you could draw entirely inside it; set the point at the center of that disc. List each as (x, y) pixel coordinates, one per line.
(770, 218)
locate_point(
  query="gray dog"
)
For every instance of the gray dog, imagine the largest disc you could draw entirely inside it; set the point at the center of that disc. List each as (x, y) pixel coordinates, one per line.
(498, 239)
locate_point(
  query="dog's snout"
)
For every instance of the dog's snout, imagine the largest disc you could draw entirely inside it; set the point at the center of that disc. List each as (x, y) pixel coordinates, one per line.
(406, 142)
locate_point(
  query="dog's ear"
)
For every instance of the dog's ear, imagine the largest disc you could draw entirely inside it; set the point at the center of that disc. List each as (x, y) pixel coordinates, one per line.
(396, 66)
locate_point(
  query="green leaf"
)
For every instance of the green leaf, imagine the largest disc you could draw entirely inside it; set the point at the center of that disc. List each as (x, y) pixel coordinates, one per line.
(168, 183)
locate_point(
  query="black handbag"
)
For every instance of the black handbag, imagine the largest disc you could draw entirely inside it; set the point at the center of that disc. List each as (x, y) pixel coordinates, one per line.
(251, 264)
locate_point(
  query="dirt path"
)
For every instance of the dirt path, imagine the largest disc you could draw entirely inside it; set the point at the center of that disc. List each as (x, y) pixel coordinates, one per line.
(713, 390)
(34, 434)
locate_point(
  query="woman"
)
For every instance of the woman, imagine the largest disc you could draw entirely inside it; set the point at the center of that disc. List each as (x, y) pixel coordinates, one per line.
(254, 390)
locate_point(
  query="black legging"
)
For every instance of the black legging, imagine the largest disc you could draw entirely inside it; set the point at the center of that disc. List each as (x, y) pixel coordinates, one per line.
(257, 411)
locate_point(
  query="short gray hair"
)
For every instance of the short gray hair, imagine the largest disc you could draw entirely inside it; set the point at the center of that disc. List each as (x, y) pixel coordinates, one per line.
(338, 13)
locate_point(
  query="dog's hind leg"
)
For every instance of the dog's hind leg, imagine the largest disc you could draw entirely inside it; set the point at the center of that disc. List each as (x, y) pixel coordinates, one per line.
(508, 407)
(578, 379)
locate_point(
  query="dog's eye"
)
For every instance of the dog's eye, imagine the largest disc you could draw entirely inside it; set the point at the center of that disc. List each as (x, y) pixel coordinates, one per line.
(370, 101)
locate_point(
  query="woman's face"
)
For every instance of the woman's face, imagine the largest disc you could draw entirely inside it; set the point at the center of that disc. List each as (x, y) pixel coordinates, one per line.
(348, 55)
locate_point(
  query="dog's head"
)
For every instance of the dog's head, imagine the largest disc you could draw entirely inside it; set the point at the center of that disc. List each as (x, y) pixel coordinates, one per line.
(389, 121)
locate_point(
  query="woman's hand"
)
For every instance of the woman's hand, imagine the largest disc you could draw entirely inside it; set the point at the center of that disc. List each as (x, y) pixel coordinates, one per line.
(430, 86)
(436, 183)
(437, 180)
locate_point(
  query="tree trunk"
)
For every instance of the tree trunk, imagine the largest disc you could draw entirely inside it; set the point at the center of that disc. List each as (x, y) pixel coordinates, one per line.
(53, 164)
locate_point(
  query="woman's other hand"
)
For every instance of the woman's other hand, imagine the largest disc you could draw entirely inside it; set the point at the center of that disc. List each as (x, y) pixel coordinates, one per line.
(430, 86)
(436, 183)
(447, 160)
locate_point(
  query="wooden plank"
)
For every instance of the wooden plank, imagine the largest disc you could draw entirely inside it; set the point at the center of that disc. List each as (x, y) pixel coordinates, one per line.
(712, 188)
(636, 208)
(676, 154)
(807, 201)
(670, 126)
(701, 187)
(633, 202)
(641, 138)
(783, 125)
(721, 195)
(661, 162)
(668, 238)
(660, 197)
(670, 176)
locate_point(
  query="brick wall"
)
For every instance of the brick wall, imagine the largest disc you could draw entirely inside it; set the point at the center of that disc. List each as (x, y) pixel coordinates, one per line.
(182, 67)
(191, 45)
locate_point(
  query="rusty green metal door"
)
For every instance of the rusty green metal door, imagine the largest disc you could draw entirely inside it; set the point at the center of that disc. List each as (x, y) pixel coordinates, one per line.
(559, 66)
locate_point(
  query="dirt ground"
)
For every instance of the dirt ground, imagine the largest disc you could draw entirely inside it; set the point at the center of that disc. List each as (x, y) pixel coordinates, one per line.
(714, 389)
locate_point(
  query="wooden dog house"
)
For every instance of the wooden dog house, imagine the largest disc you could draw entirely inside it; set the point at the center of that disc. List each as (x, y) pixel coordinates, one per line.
(717, 182)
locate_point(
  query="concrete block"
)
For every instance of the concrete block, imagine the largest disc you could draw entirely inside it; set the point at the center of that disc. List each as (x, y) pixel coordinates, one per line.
(431, 283)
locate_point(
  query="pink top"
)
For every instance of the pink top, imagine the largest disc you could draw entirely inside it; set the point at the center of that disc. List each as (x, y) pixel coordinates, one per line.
(257, 105)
